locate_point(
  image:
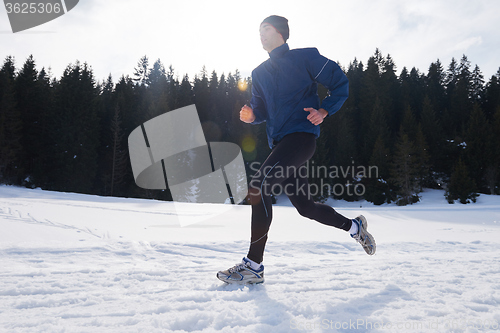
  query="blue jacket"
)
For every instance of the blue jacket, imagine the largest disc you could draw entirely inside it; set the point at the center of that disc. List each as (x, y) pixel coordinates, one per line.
(287, 82)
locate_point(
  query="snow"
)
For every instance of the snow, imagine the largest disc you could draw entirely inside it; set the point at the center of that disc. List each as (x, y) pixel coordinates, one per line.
(80, 263)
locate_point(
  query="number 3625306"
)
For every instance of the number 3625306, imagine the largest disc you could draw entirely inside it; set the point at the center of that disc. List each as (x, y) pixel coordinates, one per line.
(32, 8)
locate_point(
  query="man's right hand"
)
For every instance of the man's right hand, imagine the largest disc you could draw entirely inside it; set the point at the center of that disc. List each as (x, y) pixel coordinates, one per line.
(247, 115)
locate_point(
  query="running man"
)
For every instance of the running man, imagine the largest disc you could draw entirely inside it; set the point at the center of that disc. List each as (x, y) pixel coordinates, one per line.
(284, 95)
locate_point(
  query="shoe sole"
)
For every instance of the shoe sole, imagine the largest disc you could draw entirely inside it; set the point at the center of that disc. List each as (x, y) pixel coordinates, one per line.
(369, 250)
(240, 282)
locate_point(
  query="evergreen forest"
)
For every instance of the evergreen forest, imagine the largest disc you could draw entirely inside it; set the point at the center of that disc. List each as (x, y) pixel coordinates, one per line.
(438, 129)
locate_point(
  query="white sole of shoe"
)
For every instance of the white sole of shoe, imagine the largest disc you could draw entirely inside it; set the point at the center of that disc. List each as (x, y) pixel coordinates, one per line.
(241, 282)
(369, 250)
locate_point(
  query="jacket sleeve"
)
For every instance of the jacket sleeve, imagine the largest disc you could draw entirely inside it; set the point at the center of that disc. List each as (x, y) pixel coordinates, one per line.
(330, 75)
(257, 104)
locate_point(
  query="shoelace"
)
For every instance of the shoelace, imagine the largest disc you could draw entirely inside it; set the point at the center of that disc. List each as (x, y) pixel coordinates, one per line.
(237, 268)
(358, 237)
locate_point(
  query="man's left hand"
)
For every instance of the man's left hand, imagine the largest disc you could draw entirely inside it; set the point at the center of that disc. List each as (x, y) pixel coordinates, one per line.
(316, 116)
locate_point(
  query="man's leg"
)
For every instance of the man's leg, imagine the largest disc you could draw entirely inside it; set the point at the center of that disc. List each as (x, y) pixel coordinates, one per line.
(292, 152)
(305, 205)
(288, 156)
(325, 214)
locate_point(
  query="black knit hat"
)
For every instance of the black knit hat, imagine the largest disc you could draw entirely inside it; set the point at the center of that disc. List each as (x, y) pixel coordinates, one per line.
(279, 23)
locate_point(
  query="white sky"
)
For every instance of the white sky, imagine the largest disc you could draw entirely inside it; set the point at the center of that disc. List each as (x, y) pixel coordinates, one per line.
(113, 35)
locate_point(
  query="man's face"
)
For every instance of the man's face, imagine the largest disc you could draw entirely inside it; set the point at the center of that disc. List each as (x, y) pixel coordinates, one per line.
(270, 37)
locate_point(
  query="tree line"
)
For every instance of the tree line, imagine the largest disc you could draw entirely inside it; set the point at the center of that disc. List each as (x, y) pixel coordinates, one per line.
(433, 130)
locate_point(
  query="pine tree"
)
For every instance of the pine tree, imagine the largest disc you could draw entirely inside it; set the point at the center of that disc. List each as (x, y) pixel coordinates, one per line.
(450, 122)
(157, 90)
(213, 86)
(478, 150)
(460, 103)
(9, 68)
(462, 187)
(404, 172)
(75, 131)
(409, 124)
(157, 75)
(368, 98)
(43, 142)
(173, 89)
(433, 135)
(28, 100)
(417, 86)
(213, 128)
(477, 86)
(355, 74)
(451, 77)
(377, 188)
(491, 99)
(224, 108)
(10, 126)
(186, 96)
(422, 160)
(405, 89)
(105, 105)
(119, 155)
(127, 101)
(336, 147)
(339, 133)
(237, 129)
(435, 88)
(378, 127)
(390, 97)
(202, 96)
(141, 72)
(493, 170)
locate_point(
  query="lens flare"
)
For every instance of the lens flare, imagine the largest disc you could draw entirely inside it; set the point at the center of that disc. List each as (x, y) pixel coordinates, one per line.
(242, 85)
(248, 144)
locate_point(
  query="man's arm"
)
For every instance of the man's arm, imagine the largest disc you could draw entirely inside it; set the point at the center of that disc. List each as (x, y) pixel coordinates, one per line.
(330, 75)
(257, 104)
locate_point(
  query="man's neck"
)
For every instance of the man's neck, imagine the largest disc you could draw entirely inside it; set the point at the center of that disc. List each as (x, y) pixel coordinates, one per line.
(279, 51)
(269, 51)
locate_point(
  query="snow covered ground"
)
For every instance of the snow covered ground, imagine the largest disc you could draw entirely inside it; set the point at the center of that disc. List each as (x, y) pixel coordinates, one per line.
(78, 263)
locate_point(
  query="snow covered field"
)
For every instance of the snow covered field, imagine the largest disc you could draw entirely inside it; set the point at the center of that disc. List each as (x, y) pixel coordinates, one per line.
(77, 263)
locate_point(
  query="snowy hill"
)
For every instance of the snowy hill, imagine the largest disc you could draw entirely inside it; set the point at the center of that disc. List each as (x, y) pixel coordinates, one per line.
(79, 263)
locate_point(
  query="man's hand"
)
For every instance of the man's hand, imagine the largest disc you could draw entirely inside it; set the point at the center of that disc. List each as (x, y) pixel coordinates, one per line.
(247, 115)
(316, 116)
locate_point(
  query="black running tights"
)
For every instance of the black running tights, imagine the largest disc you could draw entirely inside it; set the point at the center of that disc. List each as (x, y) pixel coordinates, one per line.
(281, 173)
